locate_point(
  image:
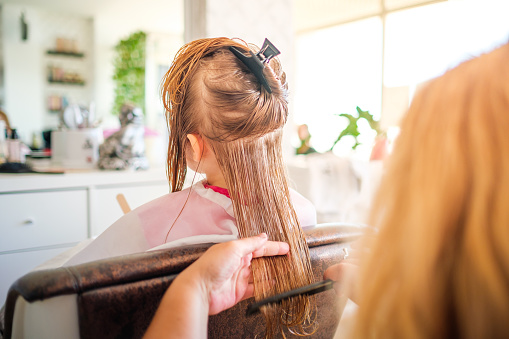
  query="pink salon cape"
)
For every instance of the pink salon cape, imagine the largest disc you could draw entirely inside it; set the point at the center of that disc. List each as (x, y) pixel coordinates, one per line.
(206, 217)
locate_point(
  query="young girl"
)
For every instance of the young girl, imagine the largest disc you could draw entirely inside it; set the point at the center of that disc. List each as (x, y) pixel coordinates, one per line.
(225, 120)
(210, 98)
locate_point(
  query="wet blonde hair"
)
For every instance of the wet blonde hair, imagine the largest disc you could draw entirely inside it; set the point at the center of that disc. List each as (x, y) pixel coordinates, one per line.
(440, 265)
(210, 92)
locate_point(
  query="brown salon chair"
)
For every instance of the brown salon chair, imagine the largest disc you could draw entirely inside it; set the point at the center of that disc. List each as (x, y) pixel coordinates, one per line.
(117, 297)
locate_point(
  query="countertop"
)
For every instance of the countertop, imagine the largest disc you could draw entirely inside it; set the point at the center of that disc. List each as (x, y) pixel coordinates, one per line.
(77, 178)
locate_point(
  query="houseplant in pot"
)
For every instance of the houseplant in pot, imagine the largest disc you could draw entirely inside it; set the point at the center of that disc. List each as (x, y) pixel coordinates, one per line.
(380, 146)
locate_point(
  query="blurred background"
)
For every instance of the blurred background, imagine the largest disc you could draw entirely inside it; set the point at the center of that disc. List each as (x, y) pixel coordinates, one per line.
(353, 68)
(338, 54)
(67, 66)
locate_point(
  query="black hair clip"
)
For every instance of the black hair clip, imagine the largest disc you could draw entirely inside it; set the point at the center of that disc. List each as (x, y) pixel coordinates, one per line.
(256, 62)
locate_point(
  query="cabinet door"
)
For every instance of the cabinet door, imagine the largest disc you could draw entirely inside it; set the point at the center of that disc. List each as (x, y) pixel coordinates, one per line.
(105, 210)
(15, 265)
(39, 219)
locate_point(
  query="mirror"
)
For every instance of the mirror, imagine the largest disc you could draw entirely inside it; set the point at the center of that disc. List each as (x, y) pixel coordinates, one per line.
(58, 52)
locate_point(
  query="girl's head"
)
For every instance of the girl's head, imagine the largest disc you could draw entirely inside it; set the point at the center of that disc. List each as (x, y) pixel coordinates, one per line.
(209, 92)
(211, 96)
(440, 265)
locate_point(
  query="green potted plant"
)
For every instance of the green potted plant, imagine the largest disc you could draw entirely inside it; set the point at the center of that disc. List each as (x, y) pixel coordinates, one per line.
(379, 150)
(129, 72)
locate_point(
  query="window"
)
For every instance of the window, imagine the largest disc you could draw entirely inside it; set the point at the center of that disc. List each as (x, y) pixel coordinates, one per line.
(338, 69)
(341, 67)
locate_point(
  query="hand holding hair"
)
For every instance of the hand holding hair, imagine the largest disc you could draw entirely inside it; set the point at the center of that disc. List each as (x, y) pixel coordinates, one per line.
(225, 271)
(345, 273)
(218, 280)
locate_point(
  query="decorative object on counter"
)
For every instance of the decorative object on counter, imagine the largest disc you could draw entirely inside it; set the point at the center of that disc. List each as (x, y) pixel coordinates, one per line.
(76, 148)
(14, 147)
(78, 116)
(76, 144)
(16, 150)
(125, 148)
(36, 141)
(129, 72)
(46, 137)
(305, 137)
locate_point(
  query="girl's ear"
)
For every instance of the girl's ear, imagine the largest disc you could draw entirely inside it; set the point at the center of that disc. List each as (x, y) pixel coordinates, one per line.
(196, 142)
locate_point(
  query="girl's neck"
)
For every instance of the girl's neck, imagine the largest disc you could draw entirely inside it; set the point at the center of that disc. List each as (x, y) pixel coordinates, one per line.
(216, 180)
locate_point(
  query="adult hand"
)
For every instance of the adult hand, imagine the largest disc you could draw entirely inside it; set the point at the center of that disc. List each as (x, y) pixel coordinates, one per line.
(345, 274)
(219, 279)
(224, 271)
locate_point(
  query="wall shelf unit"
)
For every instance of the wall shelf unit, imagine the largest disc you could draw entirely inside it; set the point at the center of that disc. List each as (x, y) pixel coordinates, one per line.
(78, 83)
(69, 54)
(67, 69)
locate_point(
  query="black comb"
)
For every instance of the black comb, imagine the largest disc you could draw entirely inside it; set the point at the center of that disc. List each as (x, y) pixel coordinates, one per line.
(278, 298)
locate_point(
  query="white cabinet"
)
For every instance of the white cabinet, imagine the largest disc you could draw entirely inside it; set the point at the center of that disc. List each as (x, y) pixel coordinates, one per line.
(42, 216)
(42, 219)
(16, 264)
(37, 226)
(105, 210)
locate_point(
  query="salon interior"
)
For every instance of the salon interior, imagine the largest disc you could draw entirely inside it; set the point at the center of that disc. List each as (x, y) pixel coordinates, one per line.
(62, 91)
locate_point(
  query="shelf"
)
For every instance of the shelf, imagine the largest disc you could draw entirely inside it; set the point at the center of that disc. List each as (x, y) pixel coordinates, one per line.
(70, 54)
(82, 83)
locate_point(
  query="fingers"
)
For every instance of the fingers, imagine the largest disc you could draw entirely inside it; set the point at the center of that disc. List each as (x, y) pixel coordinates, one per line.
(345, 276)
(272, 248)
(339, 271)
(250, 288)
(249, 292)
(356, 245)
(251, 244)
(260, 247)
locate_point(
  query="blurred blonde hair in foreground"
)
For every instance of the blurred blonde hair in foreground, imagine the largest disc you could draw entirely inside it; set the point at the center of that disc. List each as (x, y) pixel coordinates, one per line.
(439, 267)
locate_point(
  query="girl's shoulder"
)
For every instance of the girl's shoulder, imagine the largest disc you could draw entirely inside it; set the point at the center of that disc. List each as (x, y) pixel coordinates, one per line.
(191, 196)
(168, 199)
(306, 211)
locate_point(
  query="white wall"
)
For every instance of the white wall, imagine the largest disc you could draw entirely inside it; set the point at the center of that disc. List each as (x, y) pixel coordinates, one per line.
(111, 24)
(253, 21)
(22, 70)
(26, 62)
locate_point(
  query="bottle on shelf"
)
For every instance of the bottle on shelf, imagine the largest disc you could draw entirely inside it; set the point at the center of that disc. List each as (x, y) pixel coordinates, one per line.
(36, 141)
(14, 145)
(4, 154)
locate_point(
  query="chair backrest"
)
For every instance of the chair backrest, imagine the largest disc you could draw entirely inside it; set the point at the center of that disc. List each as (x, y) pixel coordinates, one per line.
(117, 297)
